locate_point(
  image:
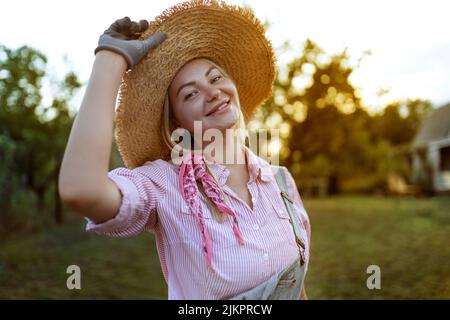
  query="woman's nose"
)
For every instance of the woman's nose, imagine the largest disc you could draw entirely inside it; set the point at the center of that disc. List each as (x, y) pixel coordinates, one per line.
(213, 93)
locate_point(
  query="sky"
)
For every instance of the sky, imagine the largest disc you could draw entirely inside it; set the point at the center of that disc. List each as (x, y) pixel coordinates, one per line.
(409, 40)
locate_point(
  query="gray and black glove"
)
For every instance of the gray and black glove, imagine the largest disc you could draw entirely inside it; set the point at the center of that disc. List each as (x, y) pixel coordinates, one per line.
(121, 37)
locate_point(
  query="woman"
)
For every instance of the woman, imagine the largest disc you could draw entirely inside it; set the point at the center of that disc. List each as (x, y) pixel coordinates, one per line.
(222, 229)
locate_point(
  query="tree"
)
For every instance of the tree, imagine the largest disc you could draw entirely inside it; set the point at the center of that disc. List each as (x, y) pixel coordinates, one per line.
(35, 141)
(326, 131)
(323, 111)
(399, 121)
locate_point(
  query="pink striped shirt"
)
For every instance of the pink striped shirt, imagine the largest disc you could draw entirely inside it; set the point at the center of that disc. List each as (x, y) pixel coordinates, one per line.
(151, 201)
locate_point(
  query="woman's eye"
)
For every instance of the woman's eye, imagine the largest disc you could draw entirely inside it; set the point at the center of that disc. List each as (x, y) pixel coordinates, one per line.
(215, 79)
(189, 95)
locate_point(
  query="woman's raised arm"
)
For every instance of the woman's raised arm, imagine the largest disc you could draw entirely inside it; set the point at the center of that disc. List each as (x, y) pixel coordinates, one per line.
(83, 178)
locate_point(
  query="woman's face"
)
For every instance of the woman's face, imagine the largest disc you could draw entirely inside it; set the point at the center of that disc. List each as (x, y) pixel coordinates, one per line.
(200, 92)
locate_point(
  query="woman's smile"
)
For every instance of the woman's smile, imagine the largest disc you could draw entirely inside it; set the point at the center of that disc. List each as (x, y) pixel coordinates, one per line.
(220, 110)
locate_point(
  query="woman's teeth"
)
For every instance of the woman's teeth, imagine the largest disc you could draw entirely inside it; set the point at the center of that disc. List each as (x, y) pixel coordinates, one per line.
(222, 106)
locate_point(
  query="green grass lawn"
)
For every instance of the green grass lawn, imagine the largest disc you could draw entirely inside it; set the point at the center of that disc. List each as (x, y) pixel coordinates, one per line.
(34, 266)
(407, 238)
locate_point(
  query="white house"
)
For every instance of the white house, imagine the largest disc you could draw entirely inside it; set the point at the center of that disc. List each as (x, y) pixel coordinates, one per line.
(430, 151)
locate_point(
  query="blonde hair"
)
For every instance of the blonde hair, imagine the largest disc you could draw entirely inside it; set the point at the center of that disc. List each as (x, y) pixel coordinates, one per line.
(168, 126)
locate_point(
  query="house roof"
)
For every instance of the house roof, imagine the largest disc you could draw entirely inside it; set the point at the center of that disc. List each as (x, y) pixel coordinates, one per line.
(436, 126)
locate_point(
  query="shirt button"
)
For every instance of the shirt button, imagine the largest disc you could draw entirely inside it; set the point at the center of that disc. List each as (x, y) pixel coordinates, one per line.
(266, 256)
(255, 227)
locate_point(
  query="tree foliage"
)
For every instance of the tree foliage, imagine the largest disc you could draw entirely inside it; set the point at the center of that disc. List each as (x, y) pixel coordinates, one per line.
(31, 141)
(331, 135)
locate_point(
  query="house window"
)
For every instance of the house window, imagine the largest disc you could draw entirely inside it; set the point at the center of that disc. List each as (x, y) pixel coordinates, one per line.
(445, 158)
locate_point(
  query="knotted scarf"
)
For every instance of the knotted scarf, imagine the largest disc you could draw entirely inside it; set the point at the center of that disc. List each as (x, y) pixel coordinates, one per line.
(192, 169)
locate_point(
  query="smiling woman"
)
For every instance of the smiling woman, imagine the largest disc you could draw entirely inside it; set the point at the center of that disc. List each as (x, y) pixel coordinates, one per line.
(188, 106)
(224, 230)
(196, 95)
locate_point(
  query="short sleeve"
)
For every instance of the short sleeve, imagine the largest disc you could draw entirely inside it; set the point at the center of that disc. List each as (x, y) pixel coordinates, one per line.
(141, 189)
(294, 194)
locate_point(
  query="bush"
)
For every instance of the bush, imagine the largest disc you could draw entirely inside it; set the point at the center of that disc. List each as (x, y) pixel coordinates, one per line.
(18, 205)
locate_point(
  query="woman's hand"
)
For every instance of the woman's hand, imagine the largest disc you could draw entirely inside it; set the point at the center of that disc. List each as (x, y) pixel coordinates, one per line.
(121, 38)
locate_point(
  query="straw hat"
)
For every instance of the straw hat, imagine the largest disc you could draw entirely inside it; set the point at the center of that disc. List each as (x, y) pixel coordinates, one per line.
(230, 36)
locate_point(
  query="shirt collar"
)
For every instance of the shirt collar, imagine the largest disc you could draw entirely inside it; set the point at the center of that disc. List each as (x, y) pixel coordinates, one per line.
(219, 171)
(258, 168)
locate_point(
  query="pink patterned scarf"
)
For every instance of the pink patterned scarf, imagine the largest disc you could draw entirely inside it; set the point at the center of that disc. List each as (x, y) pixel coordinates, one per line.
(193, 168)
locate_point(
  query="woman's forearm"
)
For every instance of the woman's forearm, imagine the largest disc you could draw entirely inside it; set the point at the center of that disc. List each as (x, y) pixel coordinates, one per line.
(86, 159)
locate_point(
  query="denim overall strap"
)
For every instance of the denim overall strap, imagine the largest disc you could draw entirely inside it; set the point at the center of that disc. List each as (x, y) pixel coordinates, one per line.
(287, 283)
(289, 203)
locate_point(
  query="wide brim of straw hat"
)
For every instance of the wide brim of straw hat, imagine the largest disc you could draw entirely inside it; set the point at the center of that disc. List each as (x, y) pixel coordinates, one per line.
(230, 36)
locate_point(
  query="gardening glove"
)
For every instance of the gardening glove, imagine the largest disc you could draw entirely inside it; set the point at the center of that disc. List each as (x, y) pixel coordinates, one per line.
(122, 38)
